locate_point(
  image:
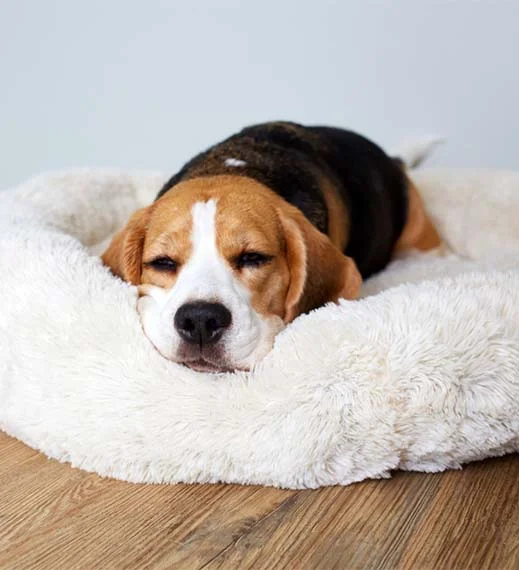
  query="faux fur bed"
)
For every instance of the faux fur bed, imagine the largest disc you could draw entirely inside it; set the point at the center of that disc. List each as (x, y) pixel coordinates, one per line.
(422, 375)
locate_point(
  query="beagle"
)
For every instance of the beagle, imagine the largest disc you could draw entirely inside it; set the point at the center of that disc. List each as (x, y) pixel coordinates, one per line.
(270, 223)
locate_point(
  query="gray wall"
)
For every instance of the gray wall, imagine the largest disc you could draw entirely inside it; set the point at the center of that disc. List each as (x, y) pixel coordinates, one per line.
(148, 84)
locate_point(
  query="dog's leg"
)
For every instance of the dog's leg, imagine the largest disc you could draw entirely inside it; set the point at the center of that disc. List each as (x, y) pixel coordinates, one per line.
(419, 231)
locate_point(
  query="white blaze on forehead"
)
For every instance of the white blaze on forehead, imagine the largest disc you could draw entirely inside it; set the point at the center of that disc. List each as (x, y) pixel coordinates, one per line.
(206, 275)
(203, 234)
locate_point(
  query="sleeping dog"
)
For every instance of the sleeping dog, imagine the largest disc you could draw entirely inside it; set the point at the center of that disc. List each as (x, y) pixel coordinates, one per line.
(273, 222)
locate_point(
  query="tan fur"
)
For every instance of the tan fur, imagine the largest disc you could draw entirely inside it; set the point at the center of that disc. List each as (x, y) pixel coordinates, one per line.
(319, 272)
(124, 255)
(306, 271)
(338, 216)
(419, 232)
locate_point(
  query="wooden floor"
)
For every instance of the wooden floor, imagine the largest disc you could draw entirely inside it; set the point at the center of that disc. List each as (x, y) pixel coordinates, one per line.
(56, 517)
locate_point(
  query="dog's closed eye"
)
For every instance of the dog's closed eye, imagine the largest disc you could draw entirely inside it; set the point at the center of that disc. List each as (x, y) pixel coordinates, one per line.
(252, 259)
(163, 264)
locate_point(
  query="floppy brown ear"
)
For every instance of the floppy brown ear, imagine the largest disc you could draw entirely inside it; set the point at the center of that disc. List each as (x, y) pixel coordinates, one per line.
(319, 271)
(124, 254)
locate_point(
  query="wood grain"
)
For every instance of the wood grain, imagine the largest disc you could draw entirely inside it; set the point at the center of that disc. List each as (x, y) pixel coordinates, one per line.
(53, 517)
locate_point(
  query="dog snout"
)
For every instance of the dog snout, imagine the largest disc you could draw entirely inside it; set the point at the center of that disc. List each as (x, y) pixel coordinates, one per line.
(202, 323)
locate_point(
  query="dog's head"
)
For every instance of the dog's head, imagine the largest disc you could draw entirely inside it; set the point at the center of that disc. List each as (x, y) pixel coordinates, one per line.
(222, 264)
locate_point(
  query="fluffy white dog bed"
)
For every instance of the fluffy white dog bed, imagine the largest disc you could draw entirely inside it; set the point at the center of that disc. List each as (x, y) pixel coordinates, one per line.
(422, 376)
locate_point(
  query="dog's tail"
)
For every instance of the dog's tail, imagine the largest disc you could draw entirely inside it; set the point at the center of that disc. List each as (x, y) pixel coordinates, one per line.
(413, 153)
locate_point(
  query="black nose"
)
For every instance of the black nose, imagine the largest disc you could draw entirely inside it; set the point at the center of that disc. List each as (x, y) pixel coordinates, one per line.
(202, 323)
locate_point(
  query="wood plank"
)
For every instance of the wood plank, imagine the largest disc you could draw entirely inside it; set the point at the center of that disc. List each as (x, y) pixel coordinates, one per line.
(458, 519)
(474, 521)
(53, 516)
(337, 527)
(62, 517)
